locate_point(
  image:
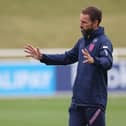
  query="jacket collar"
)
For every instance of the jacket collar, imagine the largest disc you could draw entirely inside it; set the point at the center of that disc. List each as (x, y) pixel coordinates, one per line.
(94, 33)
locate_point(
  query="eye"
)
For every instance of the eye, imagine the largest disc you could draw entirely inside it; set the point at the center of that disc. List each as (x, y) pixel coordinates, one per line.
(83, 22)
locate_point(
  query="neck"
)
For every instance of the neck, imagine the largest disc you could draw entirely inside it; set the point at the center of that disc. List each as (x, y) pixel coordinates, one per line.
(95, 28)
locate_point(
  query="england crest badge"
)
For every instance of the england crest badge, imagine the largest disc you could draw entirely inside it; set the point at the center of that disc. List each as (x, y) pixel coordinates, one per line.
(91, 47)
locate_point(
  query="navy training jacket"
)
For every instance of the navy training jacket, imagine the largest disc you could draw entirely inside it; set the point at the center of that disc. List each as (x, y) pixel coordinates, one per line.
(90, 86)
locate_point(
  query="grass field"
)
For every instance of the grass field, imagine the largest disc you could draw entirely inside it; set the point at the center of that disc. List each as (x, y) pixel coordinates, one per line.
(52, 112)
(55, 24)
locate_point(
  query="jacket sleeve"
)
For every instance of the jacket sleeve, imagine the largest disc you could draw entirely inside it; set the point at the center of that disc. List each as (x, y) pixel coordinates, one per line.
(68, 57)
(105, 58)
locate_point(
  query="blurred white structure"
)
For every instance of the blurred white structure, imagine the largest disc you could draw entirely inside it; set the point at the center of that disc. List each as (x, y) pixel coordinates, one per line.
(119, 53)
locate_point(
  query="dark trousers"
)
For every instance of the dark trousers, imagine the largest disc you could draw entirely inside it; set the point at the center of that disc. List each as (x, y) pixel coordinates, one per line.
(86, 116)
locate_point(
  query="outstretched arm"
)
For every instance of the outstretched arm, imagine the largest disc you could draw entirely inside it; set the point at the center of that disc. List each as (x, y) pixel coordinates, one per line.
(68, 57)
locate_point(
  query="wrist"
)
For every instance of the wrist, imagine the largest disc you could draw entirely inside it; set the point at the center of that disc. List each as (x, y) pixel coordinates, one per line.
(40, 56)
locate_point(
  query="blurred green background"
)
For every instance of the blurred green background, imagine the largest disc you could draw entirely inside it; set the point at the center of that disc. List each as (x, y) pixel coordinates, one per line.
(55, 24)
(52, 111)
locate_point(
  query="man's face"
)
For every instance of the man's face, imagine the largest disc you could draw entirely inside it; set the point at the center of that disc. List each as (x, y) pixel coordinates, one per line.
(85, 22)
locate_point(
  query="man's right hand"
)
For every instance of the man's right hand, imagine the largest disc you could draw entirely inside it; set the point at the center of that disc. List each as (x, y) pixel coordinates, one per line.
(32, 52)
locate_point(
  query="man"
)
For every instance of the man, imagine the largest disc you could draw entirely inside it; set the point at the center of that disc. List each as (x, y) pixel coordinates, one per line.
(93, 52)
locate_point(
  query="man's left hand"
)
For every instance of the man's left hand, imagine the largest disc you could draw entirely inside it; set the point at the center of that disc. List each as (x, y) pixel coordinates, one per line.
(87, 56)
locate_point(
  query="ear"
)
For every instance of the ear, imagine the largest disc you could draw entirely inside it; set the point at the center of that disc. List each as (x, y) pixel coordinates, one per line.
(95, 23)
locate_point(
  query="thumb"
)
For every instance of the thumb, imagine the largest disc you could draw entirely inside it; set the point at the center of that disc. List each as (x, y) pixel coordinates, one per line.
(38, 53)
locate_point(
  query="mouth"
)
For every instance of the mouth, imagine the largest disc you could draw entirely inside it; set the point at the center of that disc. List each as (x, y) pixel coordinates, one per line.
(81, 27)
